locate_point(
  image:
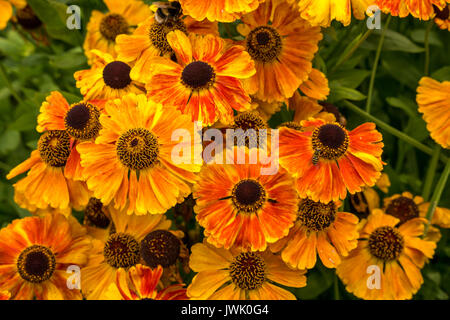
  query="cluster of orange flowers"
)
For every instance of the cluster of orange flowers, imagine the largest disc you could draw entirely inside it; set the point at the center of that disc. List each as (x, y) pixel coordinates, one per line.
(154, 70)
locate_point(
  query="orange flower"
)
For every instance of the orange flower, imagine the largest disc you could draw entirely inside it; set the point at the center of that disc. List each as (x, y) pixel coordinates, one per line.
(205, 83)
(6, 11)
(405, 207)
(130, 164)
(328, 160)
(149, 40)
(282, 46)
(218, 10)
(442, 17)
(46, 184)
(103, 28)
(395, 253)
(35, 254)
(235, 275)
(80, 120)
(140, 283)
(319, 230)
(322, 12)
(107, 79)
(238, 206)
(433, 98)
(422, 9)
(120, 249)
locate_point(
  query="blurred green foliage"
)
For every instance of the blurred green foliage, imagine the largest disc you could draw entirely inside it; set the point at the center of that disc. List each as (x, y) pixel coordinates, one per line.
(34, 63)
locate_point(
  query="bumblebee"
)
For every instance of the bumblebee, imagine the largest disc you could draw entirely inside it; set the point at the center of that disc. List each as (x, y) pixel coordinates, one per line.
(316, 156)
(166, 11)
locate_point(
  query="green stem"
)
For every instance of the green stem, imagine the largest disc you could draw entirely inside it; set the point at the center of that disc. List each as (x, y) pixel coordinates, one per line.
(431, 172)
(375, 65)
(437, 195)
(352, 50)
(8, 84)
(427, 48)
(393, 131)
(336, 288)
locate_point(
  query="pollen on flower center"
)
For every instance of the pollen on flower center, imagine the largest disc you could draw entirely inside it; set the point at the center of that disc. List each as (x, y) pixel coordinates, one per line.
(112, 25)
(331, 140)
(116, 75)
(403, 208)
(137, 149)
(249, 120)
(121, 250)
(247, 271)
(94, 215)
(442, 14)
(158, 34)
(264, 44)
(54, 147)
(250, 123)
(248, 195)
(386, 243)
(36, 264)
(198, 75)
(160, 247)
(316, 216)
(291, 125)
(82, 121)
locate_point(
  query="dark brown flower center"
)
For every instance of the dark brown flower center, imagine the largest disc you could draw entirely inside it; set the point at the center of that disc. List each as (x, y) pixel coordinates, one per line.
(247, 271)
(36, 264)
(27, 18)
(198, 75)
(316, 216)
(82, 121)
(442, 14)
(264, 44)
(158, 34)
(94, 215)
(112, 25)
(116, 75)
(121, 250)
(330, 141)
(403, 208)
(54, 147)
(138, 149)
(160, 247)
(248, 195)
(386, 243)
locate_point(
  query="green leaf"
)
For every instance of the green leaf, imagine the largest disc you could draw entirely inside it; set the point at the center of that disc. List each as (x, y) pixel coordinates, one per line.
(9, 141)
(403, 70)
(393, 41)
(319, 280)
(55, 16)
(405, 104)
(349, 78)
(443, 74)
(25, 122)
(338, 93)
(69, 60)
(418, 35)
